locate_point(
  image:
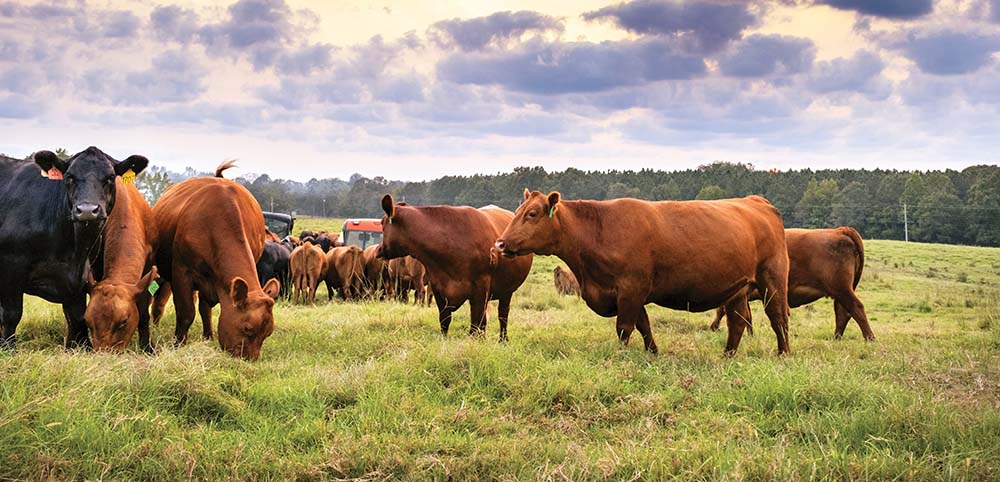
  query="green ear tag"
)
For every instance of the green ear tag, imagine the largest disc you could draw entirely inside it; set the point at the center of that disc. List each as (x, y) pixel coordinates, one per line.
(552, 210)
(154, 287)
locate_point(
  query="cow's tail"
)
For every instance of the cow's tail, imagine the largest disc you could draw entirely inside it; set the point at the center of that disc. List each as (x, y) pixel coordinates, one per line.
(859, 245)
(222, 167)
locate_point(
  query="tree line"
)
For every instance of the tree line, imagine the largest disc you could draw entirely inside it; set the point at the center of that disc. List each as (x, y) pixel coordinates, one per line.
(957, 207)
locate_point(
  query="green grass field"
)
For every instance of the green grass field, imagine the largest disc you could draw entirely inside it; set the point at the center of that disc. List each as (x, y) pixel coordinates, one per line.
(370, 391)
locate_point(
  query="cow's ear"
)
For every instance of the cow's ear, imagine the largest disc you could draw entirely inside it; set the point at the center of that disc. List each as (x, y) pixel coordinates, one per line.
(389, 205)
(145, 281)
(527, 194)
(48, 159)
(553, 199)
(272, 287)
(135, 163)
(238, 290)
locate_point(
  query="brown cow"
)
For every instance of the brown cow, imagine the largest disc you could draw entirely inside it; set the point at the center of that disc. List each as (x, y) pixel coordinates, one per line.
(119, 302)
(377, 283)
(824, 263)
(345, 270)
(684, 255)
(408, 274)
(211, 234)
(566, 283)
(308, 266)
(455, 245)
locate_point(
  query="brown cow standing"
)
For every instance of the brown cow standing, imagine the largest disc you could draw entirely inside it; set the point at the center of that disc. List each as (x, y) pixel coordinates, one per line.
(684, 255)
(566, 283)
(211, 234)
(308, 266)
(455, 245)
(119, 303)
(377, 283)
(824, 262)
(345, 270)
(408, 274)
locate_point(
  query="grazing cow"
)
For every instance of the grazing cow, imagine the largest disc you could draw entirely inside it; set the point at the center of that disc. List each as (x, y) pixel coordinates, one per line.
(119, 303)
(455, 245)
(565, 282)
(345, 270)
(377, 283)
(211, 234)
(824, 262)
(407, 274)
(273, 264)
(308, 265)
(51, 232)
(684, 255)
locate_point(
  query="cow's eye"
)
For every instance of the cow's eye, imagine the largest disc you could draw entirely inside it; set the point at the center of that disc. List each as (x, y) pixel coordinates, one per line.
(532, 214)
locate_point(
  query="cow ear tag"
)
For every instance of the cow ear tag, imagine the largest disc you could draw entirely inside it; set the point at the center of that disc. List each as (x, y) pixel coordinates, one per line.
(54, 174)
(552, 210)
(128, 177)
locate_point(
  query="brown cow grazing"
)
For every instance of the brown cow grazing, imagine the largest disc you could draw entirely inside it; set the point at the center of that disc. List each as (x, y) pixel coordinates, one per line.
(684, 255)
(408, 274)
(566, 283)
(345, 270)
(824, 263)
(211, 234)
(455, 245)
(377, 285)
(308, 267)
(119, 303)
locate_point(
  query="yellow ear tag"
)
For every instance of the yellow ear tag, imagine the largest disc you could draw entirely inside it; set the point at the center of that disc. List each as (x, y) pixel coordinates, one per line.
(128, 177)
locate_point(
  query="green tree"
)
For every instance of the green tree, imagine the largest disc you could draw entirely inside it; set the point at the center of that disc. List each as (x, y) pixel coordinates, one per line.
(850, 206)
(711, 192)
(667, 191)
(620, 190)
(152, 182)
(815, 208)
(61, 153)
(984, 204)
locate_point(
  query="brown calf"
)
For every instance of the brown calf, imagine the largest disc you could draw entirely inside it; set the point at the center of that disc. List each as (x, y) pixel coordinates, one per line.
(408, 274)
(308, 266)
(345, 270)
(565, 282)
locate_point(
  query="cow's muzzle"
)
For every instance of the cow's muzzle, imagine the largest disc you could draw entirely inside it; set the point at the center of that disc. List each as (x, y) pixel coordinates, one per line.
(85, 212)
(505, 250)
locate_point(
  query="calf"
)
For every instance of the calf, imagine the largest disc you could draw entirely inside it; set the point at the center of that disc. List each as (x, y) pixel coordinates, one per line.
(51, 229)
(119, 302)
(566, 283)
(210, 236)
(684, 255)
(377, 283)
(455, 245)
(824, 263)
(308, 265)
(273, 264)
(407, 274)
(345, 270)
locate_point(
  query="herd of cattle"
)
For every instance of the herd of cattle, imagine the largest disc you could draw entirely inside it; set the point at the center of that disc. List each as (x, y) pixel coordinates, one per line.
(82, 228)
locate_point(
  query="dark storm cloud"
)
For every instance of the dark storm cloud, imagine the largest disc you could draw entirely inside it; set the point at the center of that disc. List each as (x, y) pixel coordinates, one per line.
(764, 55)
(557, 68)
(478, 33)
(702, 25)
(895, 9)
(949, 52)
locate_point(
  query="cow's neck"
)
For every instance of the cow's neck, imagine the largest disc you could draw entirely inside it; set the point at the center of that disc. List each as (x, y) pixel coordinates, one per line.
(240, 263)
(576, 235)
(125, 246)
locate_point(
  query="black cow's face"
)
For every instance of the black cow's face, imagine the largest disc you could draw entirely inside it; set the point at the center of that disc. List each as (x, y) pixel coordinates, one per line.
(89, 178)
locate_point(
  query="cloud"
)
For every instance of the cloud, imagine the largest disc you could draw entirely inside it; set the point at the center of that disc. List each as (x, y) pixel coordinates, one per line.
(860, 73)
(174, 76)
(498, 28)
(700, 25)
(19, 107)
(171, 22)
(555, 68)
(894, 9)
(995, 10)
(949, 52)
(120, 24)
(305, 60)
(766, 55)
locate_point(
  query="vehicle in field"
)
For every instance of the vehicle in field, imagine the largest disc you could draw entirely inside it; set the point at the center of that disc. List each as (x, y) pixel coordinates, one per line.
(279, 223)
(361, 232)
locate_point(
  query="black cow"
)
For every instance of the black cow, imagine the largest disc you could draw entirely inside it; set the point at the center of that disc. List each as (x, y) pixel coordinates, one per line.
(50, 232)
(273, 263)
(324, 242)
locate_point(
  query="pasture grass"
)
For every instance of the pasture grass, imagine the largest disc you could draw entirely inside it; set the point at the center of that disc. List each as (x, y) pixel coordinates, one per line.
(371, 391)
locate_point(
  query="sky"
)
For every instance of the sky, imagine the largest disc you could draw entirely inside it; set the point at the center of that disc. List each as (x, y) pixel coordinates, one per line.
(416, 90)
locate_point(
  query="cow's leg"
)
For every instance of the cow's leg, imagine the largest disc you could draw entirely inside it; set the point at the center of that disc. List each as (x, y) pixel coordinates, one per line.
(631, 315)
(642, 324)
(503, 309)
(183, 308)
(11, 308)
(841, 317)
(737, 319)
(444, 314)
(719, 313)
(205, 311)
(296, 288)
(775, 297)
(77, 333)
(160, 300)
(142, 304)
(856, 308)
(477, 311)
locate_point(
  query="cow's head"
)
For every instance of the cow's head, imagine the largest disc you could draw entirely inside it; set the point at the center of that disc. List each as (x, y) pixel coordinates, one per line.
(112, 315)
(393, 230)
(89, 178)
(535, 227)
(243, 329)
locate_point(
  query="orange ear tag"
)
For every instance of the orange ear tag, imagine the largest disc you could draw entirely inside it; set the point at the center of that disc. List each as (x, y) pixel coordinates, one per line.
(55, 174)
(128, 177)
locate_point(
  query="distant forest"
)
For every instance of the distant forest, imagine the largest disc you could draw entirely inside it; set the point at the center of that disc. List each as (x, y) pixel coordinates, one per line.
(956, 207)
